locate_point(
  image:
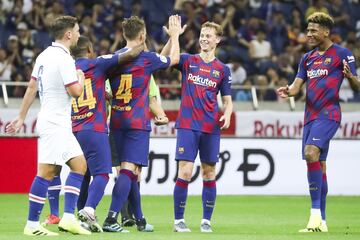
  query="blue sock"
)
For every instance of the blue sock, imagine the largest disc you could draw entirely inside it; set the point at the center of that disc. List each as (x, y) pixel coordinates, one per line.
(135, 199)
(120, 192)
(324, 191)
(315, 181)
(208, 198)
(72, 191)
(180, 195)
(84, 191)
(37, 197)
(53, 195)
(96, 190)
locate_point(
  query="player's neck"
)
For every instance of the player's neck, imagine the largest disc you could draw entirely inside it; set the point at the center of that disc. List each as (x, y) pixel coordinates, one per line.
(207, 56)
(324, 46)
(132, 44)
(64, 43)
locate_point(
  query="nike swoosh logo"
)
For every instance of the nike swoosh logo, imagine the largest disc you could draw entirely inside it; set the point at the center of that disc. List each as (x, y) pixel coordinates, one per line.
(316, 139)
(192, 66)
(307, 64)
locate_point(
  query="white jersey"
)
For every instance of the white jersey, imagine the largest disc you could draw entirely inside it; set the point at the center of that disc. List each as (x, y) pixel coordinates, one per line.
(54, 70)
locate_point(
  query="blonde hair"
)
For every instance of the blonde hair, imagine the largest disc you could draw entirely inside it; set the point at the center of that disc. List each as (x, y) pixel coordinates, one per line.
(323, 19)
(218, 29)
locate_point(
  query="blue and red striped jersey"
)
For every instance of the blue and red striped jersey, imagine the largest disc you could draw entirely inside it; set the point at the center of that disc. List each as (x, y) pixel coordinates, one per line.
(130, 89)
(323, 75)
(200, 85)
(89, 110)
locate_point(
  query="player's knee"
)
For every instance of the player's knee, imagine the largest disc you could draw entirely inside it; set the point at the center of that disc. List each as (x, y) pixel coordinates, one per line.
(129, 166)
(208, 174)
(185, 174)
(208, 171)
(310, 155)
(80, 167)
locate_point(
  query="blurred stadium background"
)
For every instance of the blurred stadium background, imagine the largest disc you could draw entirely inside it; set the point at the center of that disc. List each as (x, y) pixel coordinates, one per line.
(260, 153)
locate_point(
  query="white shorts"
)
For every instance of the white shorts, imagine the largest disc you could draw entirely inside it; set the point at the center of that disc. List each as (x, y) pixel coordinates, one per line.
(58, 147)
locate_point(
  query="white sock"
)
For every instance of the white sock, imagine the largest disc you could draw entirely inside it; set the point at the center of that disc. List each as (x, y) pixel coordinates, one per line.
(323, 222)
(315, 211)
(32, 224)
(203, 221)
(68, 216)
(90, 210)
(176, 221)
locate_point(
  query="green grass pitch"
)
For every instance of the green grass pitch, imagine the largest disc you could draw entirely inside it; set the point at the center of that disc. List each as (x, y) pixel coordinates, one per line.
(235, 217)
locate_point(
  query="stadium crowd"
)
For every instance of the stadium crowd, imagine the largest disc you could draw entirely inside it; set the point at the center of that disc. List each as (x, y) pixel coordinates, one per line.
(262, 44)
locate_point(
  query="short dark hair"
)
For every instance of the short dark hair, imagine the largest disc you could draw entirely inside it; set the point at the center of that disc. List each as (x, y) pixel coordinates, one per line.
(218, 29)
(323, 19)
(61, 24)
(132, 26)
(81, 47)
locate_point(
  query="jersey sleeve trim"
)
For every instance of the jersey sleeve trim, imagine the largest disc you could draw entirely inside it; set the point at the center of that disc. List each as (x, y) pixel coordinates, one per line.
(72, 83)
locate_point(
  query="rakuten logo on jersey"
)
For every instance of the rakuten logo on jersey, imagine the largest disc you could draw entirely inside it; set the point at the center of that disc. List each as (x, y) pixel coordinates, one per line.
(196, 79)
(317, 73)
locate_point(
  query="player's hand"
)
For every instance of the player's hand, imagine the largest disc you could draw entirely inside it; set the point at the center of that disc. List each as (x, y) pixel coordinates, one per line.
(161, 120)
(14, 126)
(346, 70)
(283, 91)
(178, 19)
(226, 120)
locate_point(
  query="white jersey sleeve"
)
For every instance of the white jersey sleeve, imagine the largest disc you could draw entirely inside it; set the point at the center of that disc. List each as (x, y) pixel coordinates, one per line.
(35, 71)
(67, 71)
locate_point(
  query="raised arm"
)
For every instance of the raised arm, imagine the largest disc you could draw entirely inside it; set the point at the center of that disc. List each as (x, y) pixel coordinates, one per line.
(28, 99)
(174, 28)
(130, 54)
(166, 49)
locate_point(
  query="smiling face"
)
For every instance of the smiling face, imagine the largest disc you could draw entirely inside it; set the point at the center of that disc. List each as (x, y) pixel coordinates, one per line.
(208, 39)
(316, 34)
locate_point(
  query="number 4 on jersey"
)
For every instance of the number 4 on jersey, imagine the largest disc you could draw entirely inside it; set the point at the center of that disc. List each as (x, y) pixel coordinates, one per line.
(124, 90)
(90, 101)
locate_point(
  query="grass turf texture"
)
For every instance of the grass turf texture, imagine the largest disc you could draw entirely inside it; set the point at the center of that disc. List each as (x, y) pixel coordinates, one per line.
(235, 217)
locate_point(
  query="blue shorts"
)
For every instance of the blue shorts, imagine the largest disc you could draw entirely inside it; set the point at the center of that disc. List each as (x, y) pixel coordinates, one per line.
(132, 146)
(319, 132)
(96, 148)
(189, 142)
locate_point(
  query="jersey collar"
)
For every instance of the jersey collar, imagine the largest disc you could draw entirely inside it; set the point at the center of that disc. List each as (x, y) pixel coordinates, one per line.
(59, 45)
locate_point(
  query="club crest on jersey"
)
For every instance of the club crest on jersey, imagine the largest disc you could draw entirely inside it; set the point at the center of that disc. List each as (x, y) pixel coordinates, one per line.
(327, 61)
(215, 73)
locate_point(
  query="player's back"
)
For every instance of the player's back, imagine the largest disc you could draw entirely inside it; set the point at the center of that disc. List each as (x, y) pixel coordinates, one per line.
(89, 110)
(130, 89)
(54, 70)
